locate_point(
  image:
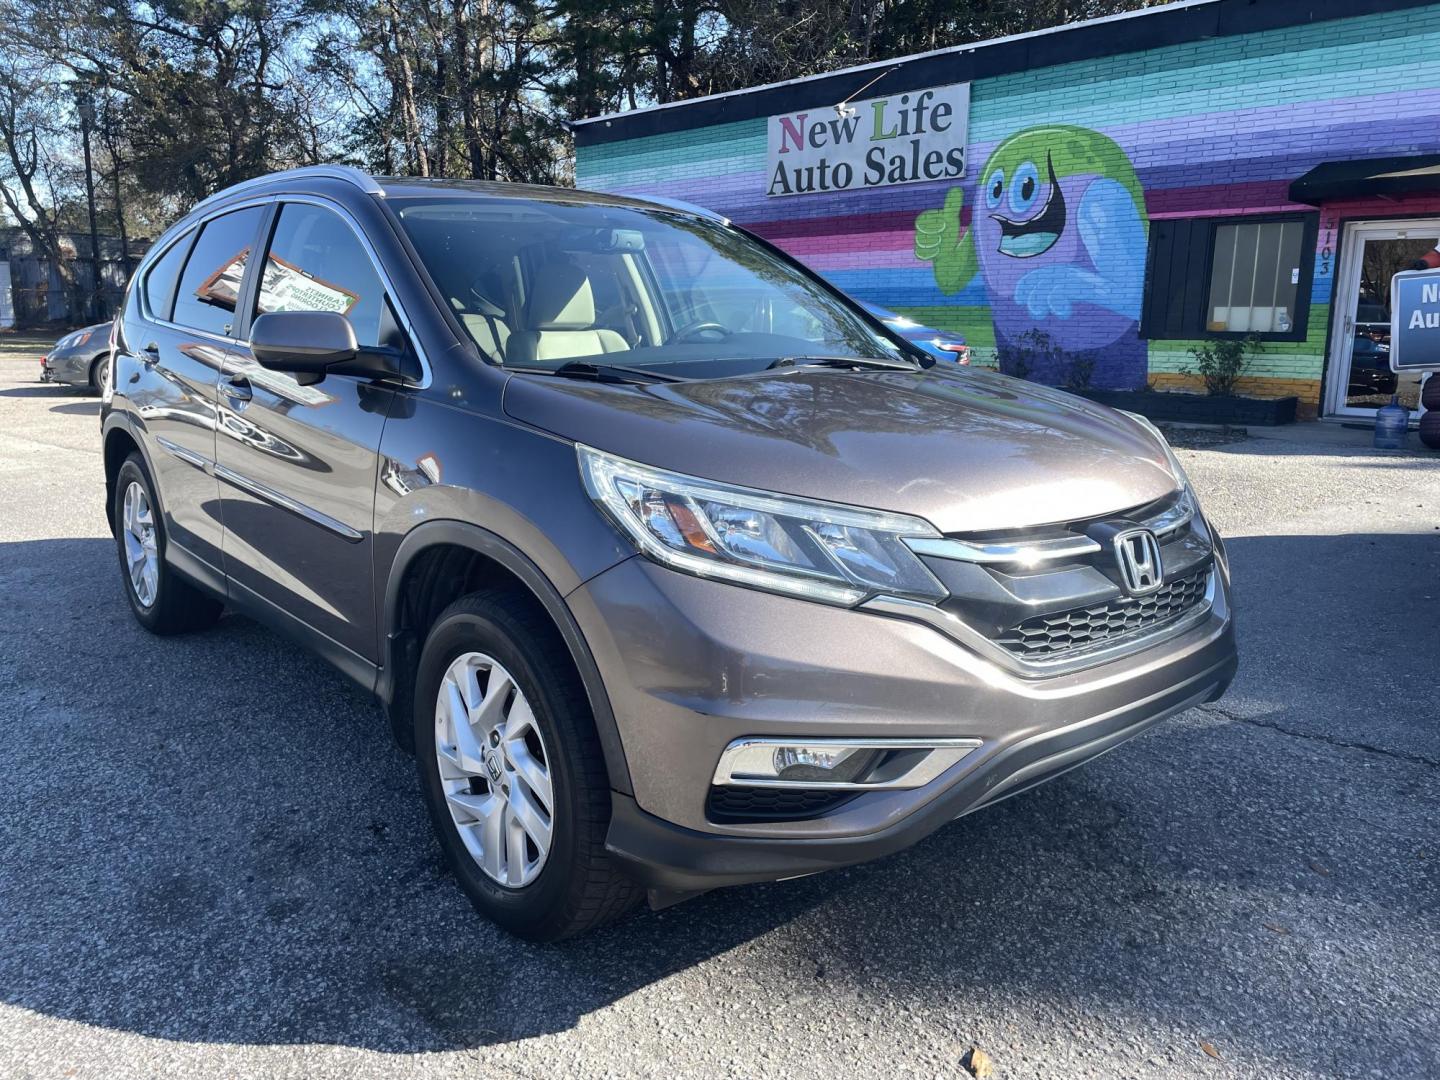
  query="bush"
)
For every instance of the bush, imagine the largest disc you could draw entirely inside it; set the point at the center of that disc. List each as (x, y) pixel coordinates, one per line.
(1081, 371)
(1223, 363)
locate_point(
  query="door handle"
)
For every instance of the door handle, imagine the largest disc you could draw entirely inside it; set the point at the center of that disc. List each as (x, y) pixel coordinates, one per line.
(150, 355)
(237, 388)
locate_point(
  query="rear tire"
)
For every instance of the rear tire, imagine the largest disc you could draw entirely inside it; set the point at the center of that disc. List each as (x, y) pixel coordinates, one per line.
(163, 602)
(1430, 393)
(575, 885)
(1430, 429)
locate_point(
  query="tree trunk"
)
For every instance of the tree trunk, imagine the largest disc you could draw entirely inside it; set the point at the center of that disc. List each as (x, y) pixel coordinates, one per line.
(405, 90)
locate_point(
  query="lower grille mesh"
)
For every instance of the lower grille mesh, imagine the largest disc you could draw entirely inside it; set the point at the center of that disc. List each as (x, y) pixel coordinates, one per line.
(1043, 636)
(772, 804)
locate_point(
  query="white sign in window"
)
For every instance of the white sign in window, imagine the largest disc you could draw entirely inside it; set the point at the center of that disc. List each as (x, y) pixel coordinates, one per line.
(289, 288)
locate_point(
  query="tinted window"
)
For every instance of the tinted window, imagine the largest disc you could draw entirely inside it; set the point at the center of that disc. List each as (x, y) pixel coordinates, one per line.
(210, 286)
(160, 281)
(317, 263)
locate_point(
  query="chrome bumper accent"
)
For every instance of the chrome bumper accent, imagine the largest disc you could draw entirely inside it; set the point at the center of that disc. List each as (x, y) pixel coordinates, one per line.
(908, 771)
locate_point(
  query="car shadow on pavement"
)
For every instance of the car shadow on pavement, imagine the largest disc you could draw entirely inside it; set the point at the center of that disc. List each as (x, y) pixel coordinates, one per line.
(41, 390)
(212, 838)
(78, 408)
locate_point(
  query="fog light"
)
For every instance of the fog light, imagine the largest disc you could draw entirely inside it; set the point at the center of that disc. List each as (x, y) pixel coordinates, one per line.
(832, 763)
(855, 764)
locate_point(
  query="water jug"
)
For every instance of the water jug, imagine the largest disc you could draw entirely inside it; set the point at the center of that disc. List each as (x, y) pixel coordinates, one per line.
(1391, 424)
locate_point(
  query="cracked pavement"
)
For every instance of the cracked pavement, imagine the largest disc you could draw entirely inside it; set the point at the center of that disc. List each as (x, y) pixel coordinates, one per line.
(216, 863)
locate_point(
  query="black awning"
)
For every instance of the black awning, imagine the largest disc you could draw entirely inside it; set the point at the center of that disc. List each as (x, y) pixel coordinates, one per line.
(1368, 176)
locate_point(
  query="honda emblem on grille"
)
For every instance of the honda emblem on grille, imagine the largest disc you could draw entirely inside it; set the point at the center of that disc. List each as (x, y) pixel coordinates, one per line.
(1138, 553)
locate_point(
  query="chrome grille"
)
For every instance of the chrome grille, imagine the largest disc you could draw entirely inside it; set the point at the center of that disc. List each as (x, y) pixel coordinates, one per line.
(1043, 636)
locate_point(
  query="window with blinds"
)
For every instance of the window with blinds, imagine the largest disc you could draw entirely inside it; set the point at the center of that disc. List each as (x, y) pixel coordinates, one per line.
(1215, 277)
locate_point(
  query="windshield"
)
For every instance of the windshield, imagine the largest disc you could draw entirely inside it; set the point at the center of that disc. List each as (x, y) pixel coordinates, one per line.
(540, 284)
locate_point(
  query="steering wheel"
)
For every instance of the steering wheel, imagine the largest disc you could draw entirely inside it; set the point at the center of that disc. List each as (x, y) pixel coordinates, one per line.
(714, 330)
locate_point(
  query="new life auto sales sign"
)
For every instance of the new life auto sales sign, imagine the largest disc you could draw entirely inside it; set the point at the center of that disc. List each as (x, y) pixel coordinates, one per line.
(898, 139)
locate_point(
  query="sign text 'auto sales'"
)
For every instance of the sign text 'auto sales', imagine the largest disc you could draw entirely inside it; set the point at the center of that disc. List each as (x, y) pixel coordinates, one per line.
(898, 139)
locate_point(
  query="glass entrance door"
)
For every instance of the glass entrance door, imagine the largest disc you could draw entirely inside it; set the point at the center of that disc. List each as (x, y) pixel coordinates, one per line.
(1360, 377)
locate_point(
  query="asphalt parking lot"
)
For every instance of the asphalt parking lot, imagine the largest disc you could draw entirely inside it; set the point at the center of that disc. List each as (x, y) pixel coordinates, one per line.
(215, 862)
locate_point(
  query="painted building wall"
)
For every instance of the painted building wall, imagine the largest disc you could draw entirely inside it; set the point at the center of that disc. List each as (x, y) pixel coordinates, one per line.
(1216, 127)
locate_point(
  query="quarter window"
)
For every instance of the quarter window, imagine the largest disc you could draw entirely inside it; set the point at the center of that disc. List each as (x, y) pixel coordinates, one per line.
(210, 286)
(160, 280)
(317, 263)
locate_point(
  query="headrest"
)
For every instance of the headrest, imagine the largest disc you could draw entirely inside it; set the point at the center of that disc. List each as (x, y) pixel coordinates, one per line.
(561, 298)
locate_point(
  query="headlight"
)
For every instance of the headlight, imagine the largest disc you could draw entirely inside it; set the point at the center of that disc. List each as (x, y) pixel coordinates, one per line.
(835, 554)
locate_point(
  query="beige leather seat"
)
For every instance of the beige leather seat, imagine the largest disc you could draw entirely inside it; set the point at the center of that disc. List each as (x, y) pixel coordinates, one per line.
(486, 324)
(560, 320)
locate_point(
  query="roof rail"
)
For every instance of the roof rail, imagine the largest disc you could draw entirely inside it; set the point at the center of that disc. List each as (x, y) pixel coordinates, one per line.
(363, 180)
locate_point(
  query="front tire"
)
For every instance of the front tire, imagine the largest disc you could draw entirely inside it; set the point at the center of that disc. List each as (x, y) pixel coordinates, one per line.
(100, 374)
(163, 602)
(512, 771)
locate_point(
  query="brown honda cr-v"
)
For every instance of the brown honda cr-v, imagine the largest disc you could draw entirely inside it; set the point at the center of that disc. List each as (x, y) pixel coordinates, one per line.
(674, 567)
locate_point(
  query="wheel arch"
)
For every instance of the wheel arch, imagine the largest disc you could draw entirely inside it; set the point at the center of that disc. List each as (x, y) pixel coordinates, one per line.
(119, 443)
(440, 560)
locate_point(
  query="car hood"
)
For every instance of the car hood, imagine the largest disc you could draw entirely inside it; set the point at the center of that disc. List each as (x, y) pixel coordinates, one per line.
(969, 451)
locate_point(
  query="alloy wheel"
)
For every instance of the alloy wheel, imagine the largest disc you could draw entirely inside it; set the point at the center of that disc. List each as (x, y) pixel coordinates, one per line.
(142, 556)
(494, 770)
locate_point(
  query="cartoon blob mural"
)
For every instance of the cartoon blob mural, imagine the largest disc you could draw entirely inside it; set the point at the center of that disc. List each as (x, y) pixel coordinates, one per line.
(1059, 241)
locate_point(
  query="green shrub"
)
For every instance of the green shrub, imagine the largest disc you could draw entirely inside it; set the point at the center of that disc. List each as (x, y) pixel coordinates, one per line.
(1223, 363)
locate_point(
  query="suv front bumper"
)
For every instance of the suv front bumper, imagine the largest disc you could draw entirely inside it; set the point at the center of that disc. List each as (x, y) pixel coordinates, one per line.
(691, 665)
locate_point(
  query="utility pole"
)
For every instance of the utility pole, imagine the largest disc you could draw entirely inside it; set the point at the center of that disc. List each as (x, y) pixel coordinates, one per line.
(86, 105)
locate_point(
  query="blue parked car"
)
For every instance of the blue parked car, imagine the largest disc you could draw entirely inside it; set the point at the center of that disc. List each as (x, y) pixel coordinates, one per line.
(939, 343)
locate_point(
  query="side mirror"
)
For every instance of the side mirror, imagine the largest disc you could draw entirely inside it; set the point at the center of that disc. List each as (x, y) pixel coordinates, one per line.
(302, 342)
(313, 344)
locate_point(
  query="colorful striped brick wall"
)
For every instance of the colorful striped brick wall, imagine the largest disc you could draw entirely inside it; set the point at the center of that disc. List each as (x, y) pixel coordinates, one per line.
(1215, 127)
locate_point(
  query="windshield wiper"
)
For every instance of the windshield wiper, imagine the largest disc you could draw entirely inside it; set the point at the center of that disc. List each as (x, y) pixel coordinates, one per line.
(584, 369)
(880, 362)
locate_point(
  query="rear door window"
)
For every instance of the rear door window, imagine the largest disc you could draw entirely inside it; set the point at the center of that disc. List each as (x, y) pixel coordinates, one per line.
(317, 263)
(210, 286)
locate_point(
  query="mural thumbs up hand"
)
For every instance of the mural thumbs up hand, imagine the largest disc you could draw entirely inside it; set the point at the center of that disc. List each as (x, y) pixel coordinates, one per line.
(939, 241)
(939, 230)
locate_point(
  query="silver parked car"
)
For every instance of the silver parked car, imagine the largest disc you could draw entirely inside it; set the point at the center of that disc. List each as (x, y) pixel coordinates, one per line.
(673, 567)
(80, 358)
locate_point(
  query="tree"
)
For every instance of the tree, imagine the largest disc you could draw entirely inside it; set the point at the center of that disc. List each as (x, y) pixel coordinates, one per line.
(29, 165)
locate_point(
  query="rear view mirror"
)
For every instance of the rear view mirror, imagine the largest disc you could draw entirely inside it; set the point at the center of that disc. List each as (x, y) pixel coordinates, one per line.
(302, 342)
(616, 240)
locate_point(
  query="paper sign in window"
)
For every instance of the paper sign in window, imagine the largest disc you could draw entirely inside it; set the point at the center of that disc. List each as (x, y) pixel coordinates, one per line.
(286, 287)
(222, 288)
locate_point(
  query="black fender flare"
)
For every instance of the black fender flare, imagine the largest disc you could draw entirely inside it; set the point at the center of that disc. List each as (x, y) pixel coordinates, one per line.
(492, 546)
(119, 421)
